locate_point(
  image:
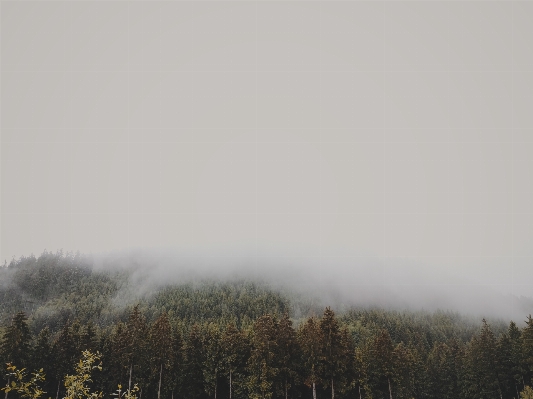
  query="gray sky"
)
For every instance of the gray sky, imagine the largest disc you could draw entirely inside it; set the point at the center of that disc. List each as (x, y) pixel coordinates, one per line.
(392, 141)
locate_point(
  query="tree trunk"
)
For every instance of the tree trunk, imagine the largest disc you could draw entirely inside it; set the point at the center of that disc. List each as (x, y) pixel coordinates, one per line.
(129, 383)
(286, 390)
(58, 385)
(159, 389)
(390, 390)
(8, 378)
(332, 390)
(360, 391)
(230, 384)
(141, 393)
(215, 386)
(517, 394)
(314, 390)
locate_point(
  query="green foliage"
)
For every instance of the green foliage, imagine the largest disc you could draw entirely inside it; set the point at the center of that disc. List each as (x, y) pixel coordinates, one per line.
(15, 344)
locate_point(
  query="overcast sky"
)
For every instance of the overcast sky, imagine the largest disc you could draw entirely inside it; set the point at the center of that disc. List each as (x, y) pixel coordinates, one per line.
(393, 140)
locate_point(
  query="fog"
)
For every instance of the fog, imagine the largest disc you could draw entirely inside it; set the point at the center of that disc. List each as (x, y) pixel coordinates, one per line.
(368, 152)
(341, 283)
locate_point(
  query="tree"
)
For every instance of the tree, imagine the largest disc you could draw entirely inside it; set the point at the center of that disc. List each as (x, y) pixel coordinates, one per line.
(76, 384)
(213, 358)
(527, 393)
(310, 339)
(480, 377)
(337, 356)
(527, 350)
(442, 373)
(27, 389)
(262, 364)
(288, 354)
(15, 345)
(194, 360)
(161, 344)
(235, 351)
(64, 354)
(136, 332)
(362, 361)
(383, 354)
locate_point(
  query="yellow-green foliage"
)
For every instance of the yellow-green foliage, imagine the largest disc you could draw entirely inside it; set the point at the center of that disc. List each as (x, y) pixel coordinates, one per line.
(77, 384)
(19, 383)
(127, 394)
(527, 393)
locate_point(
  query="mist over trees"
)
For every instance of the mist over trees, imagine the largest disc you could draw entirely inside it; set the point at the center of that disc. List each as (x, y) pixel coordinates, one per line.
(242, 339)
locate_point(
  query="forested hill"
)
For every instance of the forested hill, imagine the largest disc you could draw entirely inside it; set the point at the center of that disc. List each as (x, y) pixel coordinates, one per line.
(245, 339)
(57, 287)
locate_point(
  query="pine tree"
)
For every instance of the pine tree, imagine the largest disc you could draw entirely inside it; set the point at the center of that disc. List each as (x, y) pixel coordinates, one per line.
(15, 345)
(263, 363)
(213, 358)
(481, 377)
(527, 350)
(236, 350)
(517, 356)
(64, 354)
(136, 332)
(176, 368)
(362, 362)
(336, 351)
(442, 374)
(288, 355)
(383, 369)
(194, 360)
(161, 344)
(41, 357)
(311, 343)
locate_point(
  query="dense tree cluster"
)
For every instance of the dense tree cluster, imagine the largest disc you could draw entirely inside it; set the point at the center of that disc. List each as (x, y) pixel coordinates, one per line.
(238, 340)
(271, 358)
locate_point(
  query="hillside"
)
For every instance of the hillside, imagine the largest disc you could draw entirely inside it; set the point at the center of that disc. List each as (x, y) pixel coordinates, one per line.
(203, 338)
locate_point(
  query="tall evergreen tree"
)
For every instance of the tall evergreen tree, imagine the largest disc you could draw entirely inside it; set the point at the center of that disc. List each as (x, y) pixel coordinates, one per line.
(288, 355)
(311, 343)
(64, 354)
(194, 360)
(161, 345)
(236, 350)
(336, 352)
(383, 364)
(213, 358)
(481, 377)
(527, 350)
(263, 363)
(15, 345)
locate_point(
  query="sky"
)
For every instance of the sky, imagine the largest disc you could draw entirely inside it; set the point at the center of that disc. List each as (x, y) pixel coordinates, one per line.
(388, 142)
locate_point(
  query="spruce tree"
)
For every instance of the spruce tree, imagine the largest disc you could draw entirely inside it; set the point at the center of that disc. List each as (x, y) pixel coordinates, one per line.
(263, 362)
(15, 345)
(161, 344)
(194, 360)
(311, 343)
(235, 349)
(288, 355)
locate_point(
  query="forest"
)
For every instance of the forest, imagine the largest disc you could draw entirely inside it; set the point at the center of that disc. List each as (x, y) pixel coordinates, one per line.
(242, 339)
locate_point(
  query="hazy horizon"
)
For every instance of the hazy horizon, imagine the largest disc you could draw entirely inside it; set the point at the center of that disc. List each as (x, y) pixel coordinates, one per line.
(390, 143)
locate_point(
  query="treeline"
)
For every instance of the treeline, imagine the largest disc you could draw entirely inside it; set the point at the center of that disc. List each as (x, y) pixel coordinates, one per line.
(271, 358)
(56, 287)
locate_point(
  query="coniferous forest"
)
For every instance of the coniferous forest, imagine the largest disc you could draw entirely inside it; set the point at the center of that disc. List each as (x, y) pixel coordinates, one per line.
(241, 339)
